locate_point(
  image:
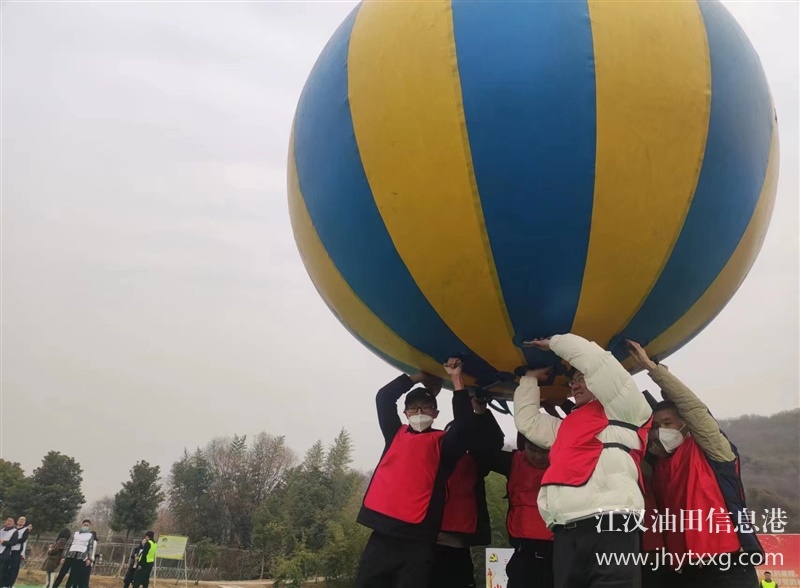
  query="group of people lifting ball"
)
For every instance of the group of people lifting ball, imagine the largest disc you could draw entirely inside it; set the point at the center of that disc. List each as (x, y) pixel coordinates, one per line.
(583, 486)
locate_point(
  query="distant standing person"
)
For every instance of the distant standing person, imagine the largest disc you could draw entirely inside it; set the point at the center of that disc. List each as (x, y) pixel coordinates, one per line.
(134, 561)
(767, 581)
(79, 554)
(18, 551)
(147, 558)
(8, 539)
(54, 555)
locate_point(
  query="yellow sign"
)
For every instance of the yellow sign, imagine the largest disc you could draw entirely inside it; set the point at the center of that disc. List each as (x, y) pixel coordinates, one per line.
(171, 546)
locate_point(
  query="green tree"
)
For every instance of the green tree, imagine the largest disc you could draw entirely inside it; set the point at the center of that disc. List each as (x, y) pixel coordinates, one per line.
(311, 517)
(55, 493)
(136, 505)
(346, 540)
(295, 570)
(315, 457)
(14, 489)
(205, 553)
(190, 499)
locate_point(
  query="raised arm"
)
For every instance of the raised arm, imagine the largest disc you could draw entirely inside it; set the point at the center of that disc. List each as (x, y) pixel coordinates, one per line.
(143, 553)
(539, 427)
(495, 460)
(486, 434)
(703, 427)
(386, 402)
(605, 377)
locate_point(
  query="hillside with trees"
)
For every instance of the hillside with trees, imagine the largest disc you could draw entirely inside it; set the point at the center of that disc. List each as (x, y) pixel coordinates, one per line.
(769, 448)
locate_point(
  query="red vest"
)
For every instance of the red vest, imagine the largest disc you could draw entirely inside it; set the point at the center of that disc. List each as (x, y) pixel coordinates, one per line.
(403, 483)
(652, 539)
(685, 482)
(577, 449)
(461, 508)
(523, 520)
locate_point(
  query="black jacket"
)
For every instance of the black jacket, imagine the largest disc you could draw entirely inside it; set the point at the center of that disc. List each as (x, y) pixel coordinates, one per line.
(486, 436)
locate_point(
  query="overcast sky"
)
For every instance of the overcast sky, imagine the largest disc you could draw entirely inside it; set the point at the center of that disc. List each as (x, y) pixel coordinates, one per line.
(153, 297)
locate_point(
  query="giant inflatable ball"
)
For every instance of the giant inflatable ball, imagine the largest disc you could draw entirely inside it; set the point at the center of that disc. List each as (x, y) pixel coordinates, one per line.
(465, 176)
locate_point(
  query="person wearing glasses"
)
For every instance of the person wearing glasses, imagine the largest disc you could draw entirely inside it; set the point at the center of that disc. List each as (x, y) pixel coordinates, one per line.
(591, 493)
(406, 496)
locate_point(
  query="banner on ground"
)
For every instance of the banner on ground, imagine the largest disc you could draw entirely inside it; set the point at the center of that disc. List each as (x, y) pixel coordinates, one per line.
(496, 561)
(171, 546)
(781, 559)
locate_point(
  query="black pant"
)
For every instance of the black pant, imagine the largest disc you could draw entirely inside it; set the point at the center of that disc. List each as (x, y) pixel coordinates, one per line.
(531, 565)
(660, 577)
(142, 575)
(78, 573)
(13, 568)
(577, 549)
(452, 568)
(65, 567)
(5, 570)
(734, 577)
(126, 581)
(394, 563)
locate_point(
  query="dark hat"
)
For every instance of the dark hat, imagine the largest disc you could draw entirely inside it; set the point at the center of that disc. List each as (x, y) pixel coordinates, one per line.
(421, 395)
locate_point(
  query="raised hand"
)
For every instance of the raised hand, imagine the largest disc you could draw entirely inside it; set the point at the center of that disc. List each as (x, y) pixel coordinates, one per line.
(639, 355)
(543, 344)
(541, 374)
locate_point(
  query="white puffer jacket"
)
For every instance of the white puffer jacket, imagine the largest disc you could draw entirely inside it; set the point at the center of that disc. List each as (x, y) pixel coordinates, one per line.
(614, 485)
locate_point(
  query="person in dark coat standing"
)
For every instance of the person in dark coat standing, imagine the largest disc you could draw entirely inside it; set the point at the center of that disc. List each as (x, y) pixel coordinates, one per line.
(146, 561)
(54, 554)
(128, 579)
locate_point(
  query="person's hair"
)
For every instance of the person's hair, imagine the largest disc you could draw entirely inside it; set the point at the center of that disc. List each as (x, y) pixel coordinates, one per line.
(665, 405)
(150, 534)
(86, 521)
(63, 534)
(767, 573)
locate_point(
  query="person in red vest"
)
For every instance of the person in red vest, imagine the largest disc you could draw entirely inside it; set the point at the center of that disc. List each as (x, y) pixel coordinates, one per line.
(697, 482)
(654, 573)
(465, 522)
(405, 499)
(591, 495)
(532, 562)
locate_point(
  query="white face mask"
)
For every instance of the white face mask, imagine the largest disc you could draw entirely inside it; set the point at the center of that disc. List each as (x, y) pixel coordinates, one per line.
(420, 422)
(671, 439)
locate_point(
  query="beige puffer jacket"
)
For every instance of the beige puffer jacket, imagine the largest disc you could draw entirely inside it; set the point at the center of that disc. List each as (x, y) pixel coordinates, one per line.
(614, 485)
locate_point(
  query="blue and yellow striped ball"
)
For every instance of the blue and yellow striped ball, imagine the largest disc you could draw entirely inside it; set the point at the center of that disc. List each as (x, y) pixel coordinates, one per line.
(467, 175)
